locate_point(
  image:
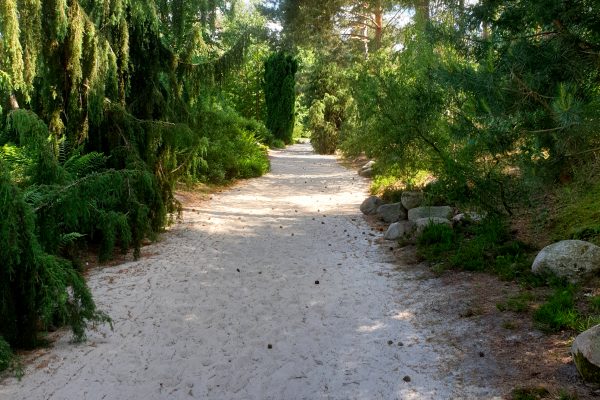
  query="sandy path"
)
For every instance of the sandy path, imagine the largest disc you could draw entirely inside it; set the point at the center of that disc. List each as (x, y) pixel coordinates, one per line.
(188, 325)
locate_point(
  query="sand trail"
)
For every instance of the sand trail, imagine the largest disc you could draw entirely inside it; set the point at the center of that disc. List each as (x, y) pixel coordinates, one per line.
(194, 320)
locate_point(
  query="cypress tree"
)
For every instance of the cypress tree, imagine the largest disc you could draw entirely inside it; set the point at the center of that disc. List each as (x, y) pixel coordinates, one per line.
(280, 95)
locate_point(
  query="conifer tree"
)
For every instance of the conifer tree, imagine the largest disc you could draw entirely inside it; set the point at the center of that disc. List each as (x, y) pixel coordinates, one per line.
(280, 95)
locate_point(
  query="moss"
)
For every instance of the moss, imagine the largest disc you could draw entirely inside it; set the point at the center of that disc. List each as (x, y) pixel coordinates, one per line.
(588, 371)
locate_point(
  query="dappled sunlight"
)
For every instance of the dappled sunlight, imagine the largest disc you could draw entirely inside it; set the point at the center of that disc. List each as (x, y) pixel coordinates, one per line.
(404, 316)
(370, 328)
(190, 317)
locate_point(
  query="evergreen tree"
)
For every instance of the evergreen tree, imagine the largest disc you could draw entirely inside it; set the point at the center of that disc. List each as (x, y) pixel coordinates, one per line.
(280, 95)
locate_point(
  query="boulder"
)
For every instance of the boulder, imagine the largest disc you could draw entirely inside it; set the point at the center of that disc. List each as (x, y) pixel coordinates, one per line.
(574, 260)
(411, 200)
(586, 354)
(370, 205)
(427, 212)
(391, 212)
(399, 230)
(422, 223)
(366, 170)
(366, 173)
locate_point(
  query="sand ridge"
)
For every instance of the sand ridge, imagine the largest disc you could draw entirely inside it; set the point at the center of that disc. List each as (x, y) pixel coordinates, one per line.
(195, 319)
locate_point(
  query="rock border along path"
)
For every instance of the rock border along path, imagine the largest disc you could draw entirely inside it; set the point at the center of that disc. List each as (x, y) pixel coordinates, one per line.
(195, 318)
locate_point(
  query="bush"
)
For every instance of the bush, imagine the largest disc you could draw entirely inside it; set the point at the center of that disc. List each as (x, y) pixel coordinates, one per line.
(5, 354)
(234, 149)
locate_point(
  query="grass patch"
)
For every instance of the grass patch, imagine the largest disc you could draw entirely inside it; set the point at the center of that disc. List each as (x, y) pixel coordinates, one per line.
(478, 247)
(518, 303)
(595, 303)
(559, 311)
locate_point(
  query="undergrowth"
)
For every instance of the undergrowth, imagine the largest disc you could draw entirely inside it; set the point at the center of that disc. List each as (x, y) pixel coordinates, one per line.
(488, 246)
(578, 216)
(6, 355)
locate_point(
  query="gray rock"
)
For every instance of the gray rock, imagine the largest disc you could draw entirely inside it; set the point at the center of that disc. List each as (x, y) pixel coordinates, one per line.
(426, 212)
(467, 216)
(399, 230)
(422, 223)
(391, 212)
(366, 173)
(368, 165)
(366, 170)
(412, 200)
(574, 260)
(370, 205)
(586, 354)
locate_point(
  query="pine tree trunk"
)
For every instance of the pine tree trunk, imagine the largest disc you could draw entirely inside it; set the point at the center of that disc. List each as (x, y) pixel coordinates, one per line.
(378, 11)
(422, 11)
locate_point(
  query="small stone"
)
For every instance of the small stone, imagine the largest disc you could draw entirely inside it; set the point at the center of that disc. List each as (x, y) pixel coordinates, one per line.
(406, 378)
(322, 223)
(237, 269)
(390, 342)
(280, 227)
(400, 344)
(316, 282)
(481, 354)
(269, 346)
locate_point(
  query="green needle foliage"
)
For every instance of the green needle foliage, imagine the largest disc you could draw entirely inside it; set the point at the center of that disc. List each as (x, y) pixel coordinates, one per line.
(280, 95)
(105, 106)
(36, 288)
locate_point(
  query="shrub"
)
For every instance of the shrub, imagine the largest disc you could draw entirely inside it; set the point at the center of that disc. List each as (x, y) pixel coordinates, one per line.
(5, 354)
(234, 149)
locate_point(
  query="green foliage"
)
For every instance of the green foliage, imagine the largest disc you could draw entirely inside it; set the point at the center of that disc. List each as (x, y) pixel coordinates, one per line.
(324, 134)
(5, 355)
(579, 214)
(234, 149)
(36, 288)
(559, 310)
(436, 242)
(518, 303)
(595, 304)
(484, 246)
(111, 103)
(280, 95)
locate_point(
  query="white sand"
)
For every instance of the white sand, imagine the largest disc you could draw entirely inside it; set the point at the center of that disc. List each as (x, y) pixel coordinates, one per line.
(189, 326)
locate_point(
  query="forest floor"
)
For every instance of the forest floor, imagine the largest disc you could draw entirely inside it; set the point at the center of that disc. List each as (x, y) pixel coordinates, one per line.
(278, 288)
